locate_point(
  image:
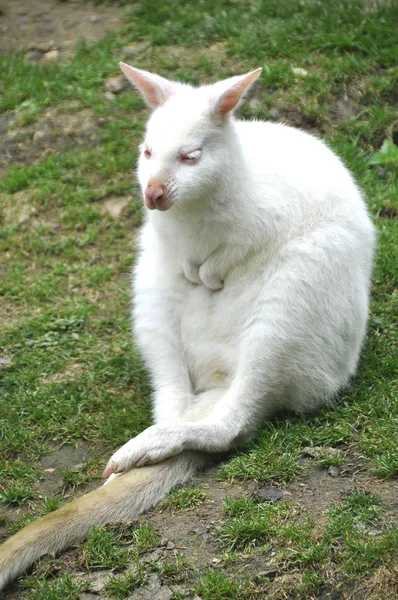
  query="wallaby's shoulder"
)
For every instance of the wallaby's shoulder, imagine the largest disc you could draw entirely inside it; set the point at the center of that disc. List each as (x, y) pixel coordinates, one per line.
(276, 135)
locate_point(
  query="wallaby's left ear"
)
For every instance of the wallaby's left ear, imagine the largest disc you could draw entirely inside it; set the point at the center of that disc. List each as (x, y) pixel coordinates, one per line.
(155, 89)
(228, 93)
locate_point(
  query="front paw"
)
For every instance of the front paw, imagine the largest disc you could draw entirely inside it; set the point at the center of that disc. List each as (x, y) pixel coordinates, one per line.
(210, 278)
(149, 447)
(191, 271)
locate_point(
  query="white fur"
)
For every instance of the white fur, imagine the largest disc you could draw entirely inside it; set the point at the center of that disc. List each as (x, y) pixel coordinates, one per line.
(270, 218)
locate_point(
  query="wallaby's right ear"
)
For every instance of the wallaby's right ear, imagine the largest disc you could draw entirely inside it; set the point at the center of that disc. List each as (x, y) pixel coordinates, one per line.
(155, 89)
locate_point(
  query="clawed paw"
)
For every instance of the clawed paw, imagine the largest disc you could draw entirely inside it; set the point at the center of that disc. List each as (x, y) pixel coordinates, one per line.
(149, 447)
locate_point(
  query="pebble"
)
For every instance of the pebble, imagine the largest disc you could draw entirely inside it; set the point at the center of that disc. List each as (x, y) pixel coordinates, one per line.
(94, 18)
(299, 71)
(154, 556)
(170, 546)
(109, 96)
(116, 84)
(33, 55)
(38, 135)
(268, 494)
(152, 591)
(51, 55)
(333, 471)
(114, 206)
(319, 451)
(97, 580)
(44, 46)
(163, 542)
(269, 571)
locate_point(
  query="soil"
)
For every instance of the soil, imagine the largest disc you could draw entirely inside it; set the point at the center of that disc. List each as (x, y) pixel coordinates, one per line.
(46, 25)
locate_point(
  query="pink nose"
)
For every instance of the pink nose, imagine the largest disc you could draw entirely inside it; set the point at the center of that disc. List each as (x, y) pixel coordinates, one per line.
(155, 196)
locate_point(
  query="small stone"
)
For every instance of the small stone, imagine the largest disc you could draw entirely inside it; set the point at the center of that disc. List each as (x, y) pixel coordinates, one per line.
(333, 471)
(114, 206)
(256, 104)
(252, 486)
(180, 590)
(268, 571)
(5, 362)
(88, 597)
(170, 546)
(38, 135)
(163, 542)
(98, 581)
(152, 591)
(109, 96)
(299, 71)
(319, 451)
(154, 556)
(94, 18)
(116, 84)
(25, 213)
(268, 494)
(51, 56)
(3, 28)
(44, 46)
(33, 55)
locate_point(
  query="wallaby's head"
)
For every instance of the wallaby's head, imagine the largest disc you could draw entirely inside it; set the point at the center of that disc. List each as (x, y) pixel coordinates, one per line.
(186, 142)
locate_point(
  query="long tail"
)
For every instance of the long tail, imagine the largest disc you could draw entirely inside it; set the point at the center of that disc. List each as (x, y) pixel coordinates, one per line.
(123, 498)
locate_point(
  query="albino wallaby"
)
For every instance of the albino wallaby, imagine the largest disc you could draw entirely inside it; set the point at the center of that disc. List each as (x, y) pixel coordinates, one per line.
(251, 294)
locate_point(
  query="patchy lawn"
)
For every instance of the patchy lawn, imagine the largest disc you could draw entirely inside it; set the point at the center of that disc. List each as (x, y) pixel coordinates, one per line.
(310, 509)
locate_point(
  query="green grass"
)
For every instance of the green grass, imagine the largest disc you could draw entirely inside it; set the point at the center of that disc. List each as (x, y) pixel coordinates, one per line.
(64, 284)
(121, 587)
(62, 588)
(103, 550)
(144, 537)
(174, 570)
(250, 523)
(181, 499)
(215, 585)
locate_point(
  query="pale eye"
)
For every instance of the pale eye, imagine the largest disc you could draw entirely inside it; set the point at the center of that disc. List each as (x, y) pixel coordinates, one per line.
(192, 156)
(147, 153)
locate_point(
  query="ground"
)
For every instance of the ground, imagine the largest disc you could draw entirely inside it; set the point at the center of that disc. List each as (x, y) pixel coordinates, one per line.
(310, 509)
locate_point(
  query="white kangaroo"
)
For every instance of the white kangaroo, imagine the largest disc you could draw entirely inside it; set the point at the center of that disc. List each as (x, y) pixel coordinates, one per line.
(251, 294)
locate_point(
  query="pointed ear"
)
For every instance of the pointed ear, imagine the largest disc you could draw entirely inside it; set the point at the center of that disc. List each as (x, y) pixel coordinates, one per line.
(156, 90)
(229, 92)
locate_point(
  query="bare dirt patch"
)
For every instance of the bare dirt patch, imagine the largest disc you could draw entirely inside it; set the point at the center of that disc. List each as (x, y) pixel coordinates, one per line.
(46, 25)
(53, 131)
(9, 313)
(65, 457)
(320, 488)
